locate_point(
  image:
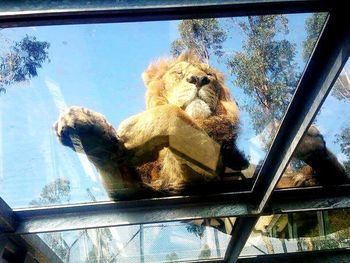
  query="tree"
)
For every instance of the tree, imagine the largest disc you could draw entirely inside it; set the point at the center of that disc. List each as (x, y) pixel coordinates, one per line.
(203, 36)
(265, 69)
(344, 140)
(341, 89)
(56, 192)
(313, 27)
(22, 61)
(197, 230)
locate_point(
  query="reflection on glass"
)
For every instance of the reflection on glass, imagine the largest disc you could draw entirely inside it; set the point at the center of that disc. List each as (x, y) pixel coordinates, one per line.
(167, 242)
(338, 220)
(324, 149)
(298, 232)
(197, 133)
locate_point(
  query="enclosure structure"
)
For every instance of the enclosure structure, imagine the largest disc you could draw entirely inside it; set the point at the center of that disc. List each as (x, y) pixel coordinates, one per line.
(25, 231)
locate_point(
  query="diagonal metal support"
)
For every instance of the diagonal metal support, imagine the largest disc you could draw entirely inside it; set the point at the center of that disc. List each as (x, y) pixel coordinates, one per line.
(241, 232)
(328, 59)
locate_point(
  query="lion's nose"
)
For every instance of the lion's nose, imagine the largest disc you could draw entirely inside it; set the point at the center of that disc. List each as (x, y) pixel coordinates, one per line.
(199, 81)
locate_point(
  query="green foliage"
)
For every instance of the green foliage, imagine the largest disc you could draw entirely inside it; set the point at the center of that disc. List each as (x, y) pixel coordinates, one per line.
(313, 26)
(22, 61)
(341, 89)
(265, 69)
(56, 192)
(343, 139)
(203, 36)
(195, 229)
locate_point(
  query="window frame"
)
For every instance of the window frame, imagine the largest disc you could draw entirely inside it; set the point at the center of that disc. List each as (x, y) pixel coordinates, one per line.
(329, 57)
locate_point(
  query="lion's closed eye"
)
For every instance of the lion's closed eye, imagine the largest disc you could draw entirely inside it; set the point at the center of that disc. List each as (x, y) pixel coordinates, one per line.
(178, 73)
(211, 75)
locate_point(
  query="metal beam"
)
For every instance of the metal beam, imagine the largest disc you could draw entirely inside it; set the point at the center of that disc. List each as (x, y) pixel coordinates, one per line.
(308, 199)
(25, 13)
(37, 248)
(16, 248)
(327, 60)
(119, 214)
(107, 214)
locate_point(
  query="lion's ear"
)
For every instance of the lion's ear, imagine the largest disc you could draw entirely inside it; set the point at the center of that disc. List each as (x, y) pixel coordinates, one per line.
(149, 74)
(155, 71)
(154, 94)
(153, 79)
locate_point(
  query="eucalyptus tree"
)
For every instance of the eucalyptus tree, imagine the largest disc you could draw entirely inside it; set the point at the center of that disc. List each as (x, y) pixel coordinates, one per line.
(205, 37)
(21, 60)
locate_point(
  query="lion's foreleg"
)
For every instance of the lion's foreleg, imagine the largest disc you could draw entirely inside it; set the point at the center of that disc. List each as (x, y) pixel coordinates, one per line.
(147, 133)
(88, 132)
(313, 151)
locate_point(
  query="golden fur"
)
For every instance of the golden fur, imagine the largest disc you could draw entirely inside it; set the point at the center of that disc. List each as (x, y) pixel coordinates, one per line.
(187, 133)
(177, 102)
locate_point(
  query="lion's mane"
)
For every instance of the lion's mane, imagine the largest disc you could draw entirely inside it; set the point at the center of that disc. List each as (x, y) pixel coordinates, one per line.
(222, 125)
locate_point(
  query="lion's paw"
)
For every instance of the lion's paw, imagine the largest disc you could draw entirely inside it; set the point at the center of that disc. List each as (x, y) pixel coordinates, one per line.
(84, 130)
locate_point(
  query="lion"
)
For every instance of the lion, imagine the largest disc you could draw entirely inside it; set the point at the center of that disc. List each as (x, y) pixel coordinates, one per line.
(186, 135)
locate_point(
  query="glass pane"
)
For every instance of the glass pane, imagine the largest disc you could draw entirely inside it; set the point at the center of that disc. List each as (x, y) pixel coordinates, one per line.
(194, 133)
(324, 150)
(298, 232)
(169, 242)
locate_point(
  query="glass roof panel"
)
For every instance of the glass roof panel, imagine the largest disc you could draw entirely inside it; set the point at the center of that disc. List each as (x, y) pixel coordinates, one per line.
(297, 232)
(177, 241)
(328, 139)
(196, 144)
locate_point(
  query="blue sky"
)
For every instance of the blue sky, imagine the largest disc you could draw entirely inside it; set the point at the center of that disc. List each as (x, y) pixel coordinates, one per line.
(98, 66)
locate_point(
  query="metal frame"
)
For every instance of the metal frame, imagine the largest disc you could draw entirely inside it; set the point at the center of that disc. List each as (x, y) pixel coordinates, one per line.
(109, 214)
(329, 57)
(146, 10)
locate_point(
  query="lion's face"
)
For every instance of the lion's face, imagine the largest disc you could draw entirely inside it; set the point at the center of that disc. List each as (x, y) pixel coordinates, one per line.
(192, 87)
(190, 84)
